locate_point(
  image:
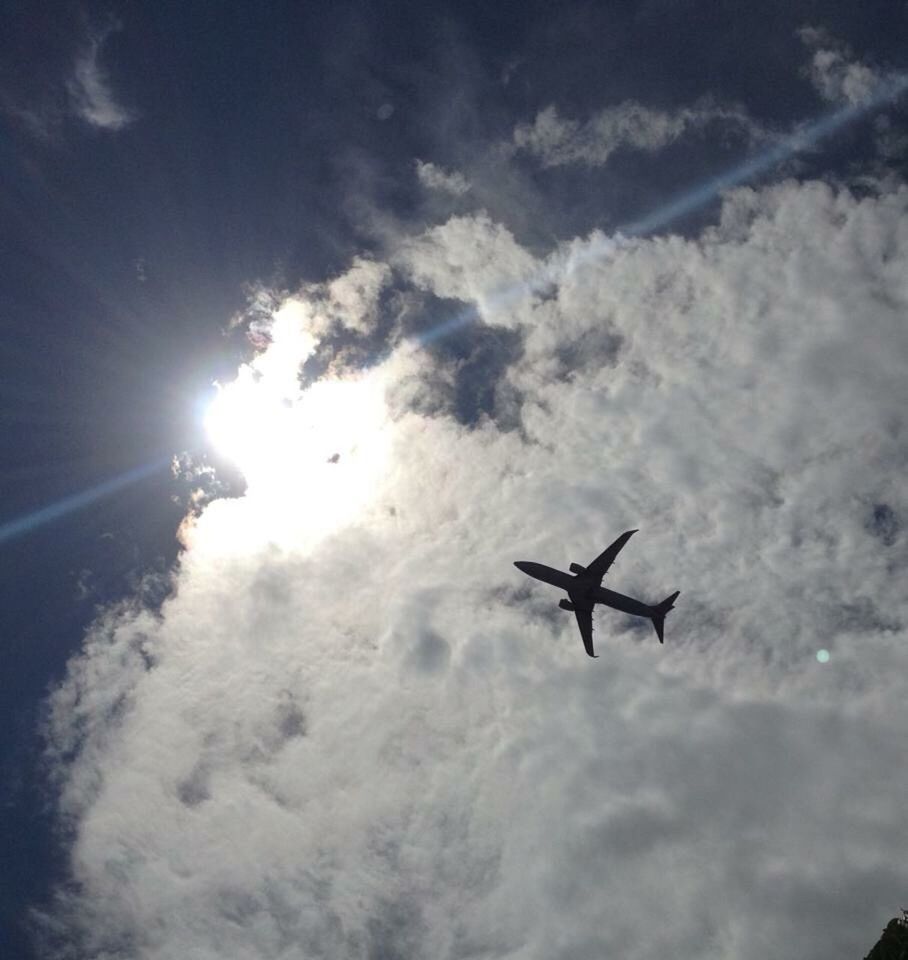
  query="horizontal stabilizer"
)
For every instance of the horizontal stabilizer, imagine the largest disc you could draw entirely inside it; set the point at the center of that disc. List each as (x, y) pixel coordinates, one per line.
(659, 612)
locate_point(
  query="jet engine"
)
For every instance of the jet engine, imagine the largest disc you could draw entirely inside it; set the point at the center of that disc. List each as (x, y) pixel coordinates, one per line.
(576, 568)
(565, 604)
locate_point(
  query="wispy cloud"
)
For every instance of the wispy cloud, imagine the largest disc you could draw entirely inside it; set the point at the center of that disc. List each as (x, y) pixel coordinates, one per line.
(42, 122)
(833, 71)
(557, 141)
(91, 95)
(435, 178)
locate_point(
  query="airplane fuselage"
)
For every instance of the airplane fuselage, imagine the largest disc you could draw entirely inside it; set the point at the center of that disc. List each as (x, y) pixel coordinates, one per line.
(584, 590)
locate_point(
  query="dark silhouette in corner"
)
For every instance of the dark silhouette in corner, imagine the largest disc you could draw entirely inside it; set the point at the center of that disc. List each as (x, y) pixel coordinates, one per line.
(893, 945)
(585, 590)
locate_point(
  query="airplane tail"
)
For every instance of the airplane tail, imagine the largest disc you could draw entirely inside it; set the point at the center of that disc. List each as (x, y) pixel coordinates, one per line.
(659, 612)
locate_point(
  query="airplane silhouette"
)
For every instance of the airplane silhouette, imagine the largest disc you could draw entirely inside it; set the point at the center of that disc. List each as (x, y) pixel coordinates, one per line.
(585, 589)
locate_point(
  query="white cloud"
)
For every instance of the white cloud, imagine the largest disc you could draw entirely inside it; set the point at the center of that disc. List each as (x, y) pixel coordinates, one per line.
(89, 88)
(385, 741)
(471, 259)
(353, 297)
(435, 178)
(837, 77)
(557, 141)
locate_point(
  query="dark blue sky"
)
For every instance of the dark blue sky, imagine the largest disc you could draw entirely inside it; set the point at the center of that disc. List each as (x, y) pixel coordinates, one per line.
(269, 143)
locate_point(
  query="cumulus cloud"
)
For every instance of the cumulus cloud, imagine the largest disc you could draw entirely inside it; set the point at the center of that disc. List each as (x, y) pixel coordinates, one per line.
(557, 141)
(471, 259)
(92, 98)
(836, 76)
(356, 730)
(435, 178)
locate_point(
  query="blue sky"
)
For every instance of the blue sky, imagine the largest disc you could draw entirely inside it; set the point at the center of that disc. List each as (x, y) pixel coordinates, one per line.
(174, 177)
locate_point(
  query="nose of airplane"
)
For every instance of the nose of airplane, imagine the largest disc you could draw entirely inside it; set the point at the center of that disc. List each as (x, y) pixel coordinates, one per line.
(521, 565)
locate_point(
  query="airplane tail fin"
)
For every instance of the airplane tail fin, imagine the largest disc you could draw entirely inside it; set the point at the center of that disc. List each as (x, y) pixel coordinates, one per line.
(659, 612)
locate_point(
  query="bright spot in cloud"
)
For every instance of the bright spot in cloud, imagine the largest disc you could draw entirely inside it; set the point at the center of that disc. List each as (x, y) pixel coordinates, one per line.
(312, 458)
(823, 656)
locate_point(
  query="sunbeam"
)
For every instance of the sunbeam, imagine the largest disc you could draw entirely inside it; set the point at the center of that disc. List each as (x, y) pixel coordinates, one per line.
(699, 196)
(66, 505)
(690, 200)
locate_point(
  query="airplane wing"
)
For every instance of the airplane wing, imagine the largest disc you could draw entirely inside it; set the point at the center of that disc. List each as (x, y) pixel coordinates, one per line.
(585, 622)
(601, 564)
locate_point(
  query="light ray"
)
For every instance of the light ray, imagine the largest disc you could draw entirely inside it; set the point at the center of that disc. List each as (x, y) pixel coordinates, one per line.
(690, 200)
(806, 137)
(77, 501)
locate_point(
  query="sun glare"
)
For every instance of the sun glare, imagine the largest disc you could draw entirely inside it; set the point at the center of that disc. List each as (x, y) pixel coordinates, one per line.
(312, 459)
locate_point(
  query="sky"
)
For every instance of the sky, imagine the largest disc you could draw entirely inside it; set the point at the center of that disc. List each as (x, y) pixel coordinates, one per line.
(318, 317)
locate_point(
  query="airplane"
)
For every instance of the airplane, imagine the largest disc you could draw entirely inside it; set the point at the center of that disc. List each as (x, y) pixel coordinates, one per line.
(585, 590)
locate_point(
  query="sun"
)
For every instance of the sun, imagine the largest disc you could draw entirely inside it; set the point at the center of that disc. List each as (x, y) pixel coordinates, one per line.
(246, 422)
(269, 435)
(313, 458)
(313, 462)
